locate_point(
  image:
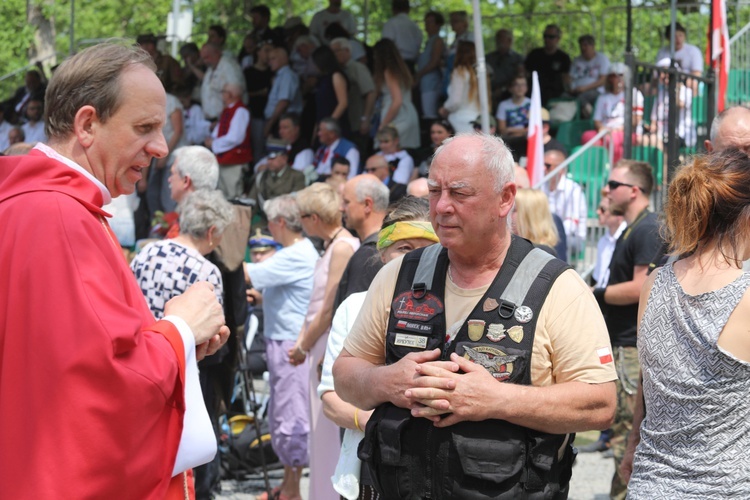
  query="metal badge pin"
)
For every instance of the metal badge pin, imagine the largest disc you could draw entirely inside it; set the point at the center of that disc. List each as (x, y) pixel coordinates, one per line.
(495, 332)
(523, 314)
(516, 333)
(476, 329)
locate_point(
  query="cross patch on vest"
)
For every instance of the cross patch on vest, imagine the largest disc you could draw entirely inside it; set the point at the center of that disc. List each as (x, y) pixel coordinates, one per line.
(408, 307)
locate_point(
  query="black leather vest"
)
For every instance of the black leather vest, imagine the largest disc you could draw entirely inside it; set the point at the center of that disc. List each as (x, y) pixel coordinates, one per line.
(408, 457)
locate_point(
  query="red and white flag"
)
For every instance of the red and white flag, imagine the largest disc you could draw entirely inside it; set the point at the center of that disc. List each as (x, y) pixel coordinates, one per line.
(719, 58)
(535, 136)
(605, 355)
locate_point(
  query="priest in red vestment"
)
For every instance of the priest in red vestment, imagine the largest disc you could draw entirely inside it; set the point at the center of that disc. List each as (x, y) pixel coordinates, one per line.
(93, 390)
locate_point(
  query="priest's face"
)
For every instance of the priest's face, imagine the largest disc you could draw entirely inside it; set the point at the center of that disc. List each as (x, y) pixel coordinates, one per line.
(119, 148)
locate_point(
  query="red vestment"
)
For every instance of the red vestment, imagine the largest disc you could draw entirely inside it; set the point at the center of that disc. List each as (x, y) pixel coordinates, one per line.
(91, 387)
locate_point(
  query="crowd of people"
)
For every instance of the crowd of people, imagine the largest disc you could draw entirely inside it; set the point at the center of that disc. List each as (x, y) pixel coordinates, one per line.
(407, 268)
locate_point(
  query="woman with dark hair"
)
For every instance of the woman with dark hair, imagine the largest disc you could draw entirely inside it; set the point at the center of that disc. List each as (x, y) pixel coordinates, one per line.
(331, 91)
(462, 106)
(440, 130)
(394, 81)
(258, 79)
(693, 345)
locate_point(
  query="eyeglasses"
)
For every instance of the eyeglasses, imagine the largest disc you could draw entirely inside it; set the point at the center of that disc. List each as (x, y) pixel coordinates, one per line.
(615, 184)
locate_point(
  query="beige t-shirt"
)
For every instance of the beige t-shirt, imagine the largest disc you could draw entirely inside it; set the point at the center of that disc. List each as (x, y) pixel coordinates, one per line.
(571, 341)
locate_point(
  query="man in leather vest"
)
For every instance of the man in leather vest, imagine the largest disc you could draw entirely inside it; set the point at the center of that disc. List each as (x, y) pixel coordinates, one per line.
(482, 356)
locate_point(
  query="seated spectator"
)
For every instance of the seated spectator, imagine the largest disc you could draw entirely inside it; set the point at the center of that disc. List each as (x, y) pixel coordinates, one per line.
(418, 188)
(429, 74)
(166, 268)
(195, 126)
(332, 145)
(610, 113)
(688, 56)
(34, 87)
(532, 219)
(491, 124)
(394, 81)
(339, 173)
(16, 135)
(274, 180)
(462, 105)
(258, 79)
(567, 200)
(167, 68)
(513, 113)
(440, 130)
(390, 148)
(378, 166)
(33, 129)
(660, 111)
(588, 74)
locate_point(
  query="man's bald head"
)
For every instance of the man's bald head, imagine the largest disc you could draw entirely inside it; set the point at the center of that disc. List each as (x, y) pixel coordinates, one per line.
(730, 129)
(377, 165)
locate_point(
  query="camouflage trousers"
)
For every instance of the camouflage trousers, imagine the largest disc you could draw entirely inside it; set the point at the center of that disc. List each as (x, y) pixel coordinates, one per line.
(628, 373)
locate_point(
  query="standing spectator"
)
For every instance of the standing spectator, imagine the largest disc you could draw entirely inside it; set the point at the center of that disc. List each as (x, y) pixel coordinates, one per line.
(629, 187)
(333, 145)
(217, 35)
(320, 214)
(34, 87)
(551, 63)
(194, 69)
(332, 89)
(220, 71)
(258, 79)
(358, 52)
(687, 55)
(513, 113)
(429, 76)
(246, 57)
(506, 64)
(33, 129)
(286, 281)
(261, 18)
(440, 130)
(167, 68)
(462, 105)
(332, 14)
(567, 200)
(364, 204)
(158, 196)
(613, 225)
(285, 96)
(362, 93)
(230, 141)
(401, 161)
(532, 219)
(394, 81)
(459, 20)
(404, 32)
(660, 111)
(588, 74)
(610, 113)
(693, 343)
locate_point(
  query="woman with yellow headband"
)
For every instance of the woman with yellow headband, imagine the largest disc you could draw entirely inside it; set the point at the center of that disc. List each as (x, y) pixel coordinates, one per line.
(406, 227)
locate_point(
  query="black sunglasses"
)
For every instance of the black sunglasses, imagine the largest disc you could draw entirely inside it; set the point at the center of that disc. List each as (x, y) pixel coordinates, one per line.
(615, 184)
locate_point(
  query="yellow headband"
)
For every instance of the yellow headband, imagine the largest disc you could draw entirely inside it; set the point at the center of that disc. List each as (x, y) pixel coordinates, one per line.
(404, 231)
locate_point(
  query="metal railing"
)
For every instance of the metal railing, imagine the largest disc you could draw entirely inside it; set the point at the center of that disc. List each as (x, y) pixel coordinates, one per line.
(588, 166)
(738, 86)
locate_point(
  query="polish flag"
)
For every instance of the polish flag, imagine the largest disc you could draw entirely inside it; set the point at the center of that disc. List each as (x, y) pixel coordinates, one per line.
(605, 355)
(719, 59)
(535, 137)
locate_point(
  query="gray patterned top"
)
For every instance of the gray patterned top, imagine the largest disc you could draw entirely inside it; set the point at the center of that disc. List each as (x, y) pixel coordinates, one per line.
(696, 434)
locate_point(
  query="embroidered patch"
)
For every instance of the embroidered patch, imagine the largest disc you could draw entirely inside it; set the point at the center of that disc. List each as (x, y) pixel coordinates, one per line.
(406, 340)
(495, 361)
(409, 326)
(423, 309)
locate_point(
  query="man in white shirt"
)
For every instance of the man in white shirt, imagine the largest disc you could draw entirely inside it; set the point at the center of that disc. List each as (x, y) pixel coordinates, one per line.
(404, 32)
(566, 199)
(588, 73)
(33, 129)
(333, 14)
(688, 56)
(220, 71)
(614, 225)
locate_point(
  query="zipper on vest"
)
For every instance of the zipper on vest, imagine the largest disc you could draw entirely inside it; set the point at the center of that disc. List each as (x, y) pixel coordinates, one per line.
(428, 465)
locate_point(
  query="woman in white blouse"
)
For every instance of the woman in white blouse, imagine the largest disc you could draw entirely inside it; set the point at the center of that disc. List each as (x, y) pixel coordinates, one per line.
(462, 105)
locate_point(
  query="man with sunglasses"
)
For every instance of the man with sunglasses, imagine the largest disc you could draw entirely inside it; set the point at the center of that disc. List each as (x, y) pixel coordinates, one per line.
(630, 184)
(552, 65)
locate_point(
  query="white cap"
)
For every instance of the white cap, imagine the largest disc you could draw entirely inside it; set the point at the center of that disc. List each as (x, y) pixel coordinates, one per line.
(617, 68)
